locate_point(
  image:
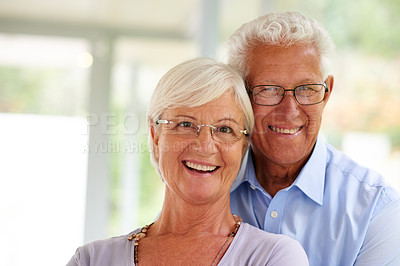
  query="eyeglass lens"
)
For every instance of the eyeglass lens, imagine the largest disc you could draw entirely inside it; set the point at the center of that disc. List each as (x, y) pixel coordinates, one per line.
(272, 95)
(219, 132)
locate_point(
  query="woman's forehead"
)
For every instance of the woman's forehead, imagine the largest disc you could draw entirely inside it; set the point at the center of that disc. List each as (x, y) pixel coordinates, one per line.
(206, 112)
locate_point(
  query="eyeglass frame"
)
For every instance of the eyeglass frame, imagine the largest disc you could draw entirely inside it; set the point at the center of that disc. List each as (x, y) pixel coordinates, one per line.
(212, 129)
(325, 85)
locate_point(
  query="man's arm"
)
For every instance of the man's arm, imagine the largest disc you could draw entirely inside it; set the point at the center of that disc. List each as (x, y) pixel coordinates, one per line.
(382, 241)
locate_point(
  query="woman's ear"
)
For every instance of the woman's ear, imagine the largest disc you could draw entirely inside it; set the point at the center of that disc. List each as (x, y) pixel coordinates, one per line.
(155, 139)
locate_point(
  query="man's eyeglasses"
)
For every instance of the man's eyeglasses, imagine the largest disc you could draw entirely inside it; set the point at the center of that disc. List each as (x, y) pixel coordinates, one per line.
(186, 128)
(307, 94)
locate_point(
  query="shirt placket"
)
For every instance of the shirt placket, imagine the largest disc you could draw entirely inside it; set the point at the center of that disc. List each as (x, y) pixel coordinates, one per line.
(274, 215)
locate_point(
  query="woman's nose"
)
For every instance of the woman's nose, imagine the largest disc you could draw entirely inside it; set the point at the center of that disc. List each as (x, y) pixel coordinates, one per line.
(205, 141)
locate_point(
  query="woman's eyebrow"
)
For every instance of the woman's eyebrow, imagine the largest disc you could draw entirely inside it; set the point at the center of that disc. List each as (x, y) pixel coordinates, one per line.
(187, 116)
(218, 121)
(227, 119)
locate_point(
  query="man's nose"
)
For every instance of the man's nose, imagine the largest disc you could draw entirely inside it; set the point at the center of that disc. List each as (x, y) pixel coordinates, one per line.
(289, 107)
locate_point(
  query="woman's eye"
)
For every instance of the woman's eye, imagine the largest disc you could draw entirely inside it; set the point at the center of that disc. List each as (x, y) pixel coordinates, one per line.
(225, 129)
(185, 124)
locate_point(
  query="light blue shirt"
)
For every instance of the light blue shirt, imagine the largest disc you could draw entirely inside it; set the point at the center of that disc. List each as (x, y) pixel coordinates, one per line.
(340, 212)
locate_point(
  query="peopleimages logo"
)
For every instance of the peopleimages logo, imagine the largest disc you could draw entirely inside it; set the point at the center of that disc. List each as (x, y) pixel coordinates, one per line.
(116, 124)
(116, 147)
(116, 133)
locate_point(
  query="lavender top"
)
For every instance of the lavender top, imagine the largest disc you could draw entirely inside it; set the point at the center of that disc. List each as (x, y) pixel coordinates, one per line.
(251, 246)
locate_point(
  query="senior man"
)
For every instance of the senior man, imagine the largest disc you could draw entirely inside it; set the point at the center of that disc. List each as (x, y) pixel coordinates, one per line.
(291, 181)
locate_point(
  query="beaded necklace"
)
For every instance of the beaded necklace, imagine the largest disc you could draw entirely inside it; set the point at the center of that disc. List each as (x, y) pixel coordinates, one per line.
(144, 230)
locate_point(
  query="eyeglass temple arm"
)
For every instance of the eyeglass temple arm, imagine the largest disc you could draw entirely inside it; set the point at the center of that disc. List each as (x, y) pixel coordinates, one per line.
(162, 121)
(244, 131)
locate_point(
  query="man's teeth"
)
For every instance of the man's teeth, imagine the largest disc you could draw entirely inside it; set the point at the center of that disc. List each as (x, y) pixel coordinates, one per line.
(200, 167)
(285, 130)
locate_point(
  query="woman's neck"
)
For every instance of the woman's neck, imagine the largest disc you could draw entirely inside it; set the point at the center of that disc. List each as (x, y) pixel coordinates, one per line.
(182, 218)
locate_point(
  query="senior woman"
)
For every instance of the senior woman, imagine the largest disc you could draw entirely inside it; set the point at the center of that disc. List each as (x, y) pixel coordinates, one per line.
(199, 119)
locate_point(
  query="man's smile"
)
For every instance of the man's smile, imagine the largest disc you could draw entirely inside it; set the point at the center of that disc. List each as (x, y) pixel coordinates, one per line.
(288, 131)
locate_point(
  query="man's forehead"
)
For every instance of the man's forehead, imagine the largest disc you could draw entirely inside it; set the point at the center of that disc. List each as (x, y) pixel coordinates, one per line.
(299, 64)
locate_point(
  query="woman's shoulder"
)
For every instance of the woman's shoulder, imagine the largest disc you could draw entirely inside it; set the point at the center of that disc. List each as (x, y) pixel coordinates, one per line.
(106, 243)
(258, 247)
(112, 251)
(266, 238)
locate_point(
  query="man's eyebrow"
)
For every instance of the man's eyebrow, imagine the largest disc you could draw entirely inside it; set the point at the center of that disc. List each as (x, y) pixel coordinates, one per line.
(307, 81)
(301, 82)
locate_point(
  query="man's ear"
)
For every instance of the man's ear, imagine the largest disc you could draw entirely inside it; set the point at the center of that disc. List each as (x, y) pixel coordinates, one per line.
(155, 138)
(329, 82)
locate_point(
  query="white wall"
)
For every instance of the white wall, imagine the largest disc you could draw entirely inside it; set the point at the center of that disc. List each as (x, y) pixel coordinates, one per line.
(43, 167)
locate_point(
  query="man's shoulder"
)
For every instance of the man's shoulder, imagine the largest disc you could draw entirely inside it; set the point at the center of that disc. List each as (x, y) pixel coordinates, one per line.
(340, 164)
(345, 174)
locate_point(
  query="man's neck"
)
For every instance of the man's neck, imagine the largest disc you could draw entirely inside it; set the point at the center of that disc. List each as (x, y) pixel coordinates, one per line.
(273, 176)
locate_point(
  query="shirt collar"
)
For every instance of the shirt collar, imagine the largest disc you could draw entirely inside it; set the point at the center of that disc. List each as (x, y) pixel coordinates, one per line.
(311, 179)
(248, 174)
(243, 171)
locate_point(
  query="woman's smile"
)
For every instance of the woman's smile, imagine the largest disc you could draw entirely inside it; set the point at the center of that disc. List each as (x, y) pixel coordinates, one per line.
(200, 167)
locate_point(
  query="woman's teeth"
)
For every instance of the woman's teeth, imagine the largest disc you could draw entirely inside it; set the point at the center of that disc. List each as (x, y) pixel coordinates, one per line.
(200, 167)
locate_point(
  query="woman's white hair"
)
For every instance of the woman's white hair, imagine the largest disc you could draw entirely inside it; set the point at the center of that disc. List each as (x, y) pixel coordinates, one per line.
(278, 29)
(193, 83)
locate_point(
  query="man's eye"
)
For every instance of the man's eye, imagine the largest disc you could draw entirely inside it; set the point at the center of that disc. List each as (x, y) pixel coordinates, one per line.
(185, 124)
(225, 129)
(270, 89)
(306, 89)
(267, 90)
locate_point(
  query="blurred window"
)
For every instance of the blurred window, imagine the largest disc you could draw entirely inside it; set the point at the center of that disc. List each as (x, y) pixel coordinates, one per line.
(43, 92)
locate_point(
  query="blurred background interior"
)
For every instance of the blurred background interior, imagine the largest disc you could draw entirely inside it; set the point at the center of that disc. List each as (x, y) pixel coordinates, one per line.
(75, 80)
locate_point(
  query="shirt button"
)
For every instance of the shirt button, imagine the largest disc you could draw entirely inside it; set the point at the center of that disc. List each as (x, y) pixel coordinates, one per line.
(253, 188)
(274, 214)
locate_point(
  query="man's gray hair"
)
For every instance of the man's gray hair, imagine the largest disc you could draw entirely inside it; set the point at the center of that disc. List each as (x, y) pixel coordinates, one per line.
(278, 29)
